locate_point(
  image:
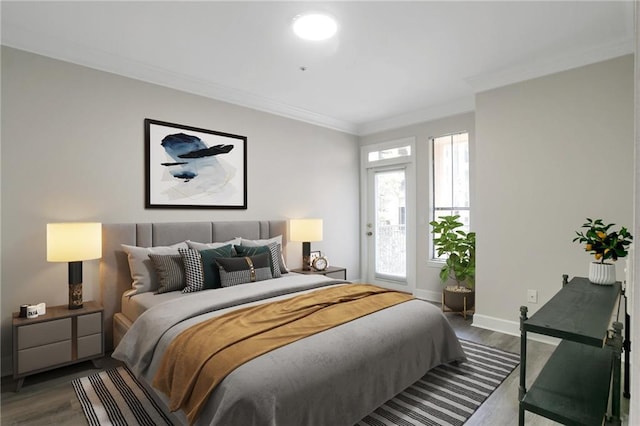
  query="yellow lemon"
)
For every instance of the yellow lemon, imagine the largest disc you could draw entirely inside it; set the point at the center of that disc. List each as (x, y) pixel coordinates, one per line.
(598, 256)
(602, 235)
(588, 247)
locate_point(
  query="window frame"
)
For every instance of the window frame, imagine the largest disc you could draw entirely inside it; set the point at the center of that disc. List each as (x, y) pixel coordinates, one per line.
(410, 162)
(432, 257)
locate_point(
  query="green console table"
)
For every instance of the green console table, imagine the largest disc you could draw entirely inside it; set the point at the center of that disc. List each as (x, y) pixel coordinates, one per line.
(573, 387)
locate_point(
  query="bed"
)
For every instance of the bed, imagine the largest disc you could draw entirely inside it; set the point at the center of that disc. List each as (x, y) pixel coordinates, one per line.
(335, 377)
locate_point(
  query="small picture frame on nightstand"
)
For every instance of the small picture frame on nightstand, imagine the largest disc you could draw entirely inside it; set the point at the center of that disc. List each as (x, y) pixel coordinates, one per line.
(314, 255)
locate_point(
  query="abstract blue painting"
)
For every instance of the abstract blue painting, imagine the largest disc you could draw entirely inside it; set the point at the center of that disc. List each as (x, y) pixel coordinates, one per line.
(190, 167)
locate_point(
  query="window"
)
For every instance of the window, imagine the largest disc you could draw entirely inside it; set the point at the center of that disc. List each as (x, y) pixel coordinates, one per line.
(386, 154)
(450, 190)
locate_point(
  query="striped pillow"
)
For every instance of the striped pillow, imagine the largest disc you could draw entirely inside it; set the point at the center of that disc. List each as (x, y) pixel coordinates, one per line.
(241, 270)
(274, 255)
(194, 276)
(170, 271)
(142, 275)
(277, 240)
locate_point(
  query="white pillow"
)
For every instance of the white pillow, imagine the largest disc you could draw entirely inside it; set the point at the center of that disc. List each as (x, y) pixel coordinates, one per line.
(143, 275)
(205, 246)
(277, 240)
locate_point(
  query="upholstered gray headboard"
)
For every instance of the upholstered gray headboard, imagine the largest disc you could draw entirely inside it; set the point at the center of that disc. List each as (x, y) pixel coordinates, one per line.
(115, 277)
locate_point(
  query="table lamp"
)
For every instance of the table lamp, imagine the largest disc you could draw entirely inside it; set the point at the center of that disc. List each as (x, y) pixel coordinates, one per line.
(305, 231)
(73, 243)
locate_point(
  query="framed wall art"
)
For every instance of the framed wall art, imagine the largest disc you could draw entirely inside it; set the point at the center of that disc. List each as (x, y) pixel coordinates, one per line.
(188, 167)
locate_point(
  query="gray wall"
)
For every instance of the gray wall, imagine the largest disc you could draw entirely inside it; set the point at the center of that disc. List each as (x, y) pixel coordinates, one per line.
(546, 153)
(73, 150)
(634, 294)
(549, 153)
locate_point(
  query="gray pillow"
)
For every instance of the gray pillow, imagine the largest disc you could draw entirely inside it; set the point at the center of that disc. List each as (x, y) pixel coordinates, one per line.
(170, 271)
(204, 246)
(277, 240)
(241, 270)
(143, 276)
(274, 253)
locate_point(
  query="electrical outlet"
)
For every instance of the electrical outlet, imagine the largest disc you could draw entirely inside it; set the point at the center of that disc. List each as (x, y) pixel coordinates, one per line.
(532, 296)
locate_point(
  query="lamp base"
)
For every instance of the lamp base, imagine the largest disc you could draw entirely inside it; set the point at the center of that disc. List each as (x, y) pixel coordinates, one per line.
(75, 296)
(306, 256)
(306, 263)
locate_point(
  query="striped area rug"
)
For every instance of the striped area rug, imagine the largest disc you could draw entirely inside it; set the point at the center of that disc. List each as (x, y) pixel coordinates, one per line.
(116, 397)
(446, 395)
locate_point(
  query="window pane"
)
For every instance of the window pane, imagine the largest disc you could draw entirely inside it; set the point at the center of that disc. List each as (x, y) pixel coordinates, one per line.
(390, 229)
(442, 179)
(403, 151)
(451, 179)
(460, 165)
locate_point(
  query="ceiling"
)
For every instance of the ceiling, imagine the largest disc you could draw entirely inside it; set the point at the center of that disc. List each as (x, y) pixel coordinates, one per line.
(391, 64)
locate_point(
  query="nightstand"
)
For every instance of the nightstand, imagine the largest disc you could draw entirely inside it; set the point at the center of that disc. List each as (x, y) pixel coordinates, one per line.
(336, 272)
(59, 337)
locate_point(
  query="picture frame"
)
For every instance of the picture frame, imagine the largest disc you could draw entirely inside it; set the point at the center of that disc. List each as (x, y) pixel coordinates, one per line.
(193, 168)
(313, 255)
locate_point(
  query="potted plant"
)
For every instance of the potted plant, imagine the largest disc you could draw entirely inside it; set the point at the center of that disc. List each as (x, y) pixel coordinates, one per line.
(459, 248)
(604, 244)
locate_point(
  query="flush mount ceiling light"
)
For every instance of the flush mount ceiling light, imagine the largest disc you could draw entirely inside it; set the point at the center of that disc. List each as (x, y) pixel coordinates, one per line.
(314, 26)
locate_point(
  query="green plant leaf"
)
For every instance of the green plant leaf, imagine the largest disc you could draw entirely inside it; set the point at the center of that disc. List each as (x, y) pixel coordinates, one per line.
(603, 242)
(458, 246)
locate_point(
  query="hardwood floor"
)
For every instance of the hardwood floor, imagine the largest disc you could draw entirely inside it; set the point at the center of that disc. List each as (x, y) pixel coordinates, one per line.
(501, 408)
(49, 399)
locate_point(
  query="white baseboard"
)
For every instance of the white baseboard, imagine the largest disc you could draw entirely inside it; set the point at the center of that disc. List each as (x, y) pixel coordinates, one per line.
(429, 295)
(509, 327)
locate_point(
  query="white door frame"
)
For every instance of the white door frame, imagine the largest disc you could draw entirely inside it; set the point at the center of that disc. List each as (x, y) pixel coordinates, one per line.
(634, 408)
(408, 163)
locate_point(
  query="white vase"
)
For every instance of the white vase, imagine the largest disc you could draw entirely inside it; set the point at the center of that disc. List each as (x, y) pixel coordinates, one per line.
(602, 273)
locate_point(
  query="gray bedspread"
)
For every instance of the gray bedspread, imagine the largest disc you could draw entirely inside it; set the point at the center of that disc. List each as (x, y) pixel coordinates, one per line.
(336, 377)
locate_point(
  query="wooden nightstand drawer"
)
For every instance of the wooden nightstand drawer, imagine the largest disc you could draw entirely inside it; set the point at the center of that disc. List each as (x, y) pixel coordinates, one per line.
(44, 333)
(89, 324)
(89, 345)
(39, 357)
(60, 337)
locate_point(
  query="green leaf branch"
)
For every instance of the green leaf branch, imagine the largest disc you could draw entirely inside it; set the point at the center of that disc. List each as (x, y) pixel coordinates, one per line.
(602, 243)
(458, 246)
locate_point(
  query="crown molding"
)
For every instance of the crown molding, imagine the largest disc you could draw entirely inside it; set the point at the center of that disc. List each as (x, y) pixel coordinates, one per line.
(459, 106)
(75, 52)
(551, 65)
(79, 54)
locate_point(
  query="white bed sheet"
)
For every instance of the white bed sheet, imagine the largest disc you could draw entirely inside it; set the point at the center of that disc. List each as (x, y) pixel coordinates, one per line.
(134, 306)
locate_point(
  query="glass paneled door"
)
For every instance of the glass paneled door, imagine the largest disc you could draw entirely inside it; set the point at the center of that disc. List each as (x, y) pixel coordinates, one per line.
(387, 227)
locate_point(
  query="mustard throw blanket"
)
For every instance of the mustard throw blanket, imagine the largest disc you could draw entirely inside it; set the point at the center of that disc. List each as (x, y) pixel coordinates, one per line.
(200, 357)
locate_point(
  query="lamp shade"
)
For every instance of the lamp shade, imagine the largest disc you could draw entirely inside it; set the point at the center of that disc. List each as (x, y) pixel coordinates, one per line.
(305, 230)
(72, 242)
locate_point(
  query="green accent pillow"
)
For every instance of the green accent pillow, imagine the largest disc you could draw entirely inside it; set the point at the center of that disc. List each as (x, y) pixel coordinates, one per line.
(210, 267)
